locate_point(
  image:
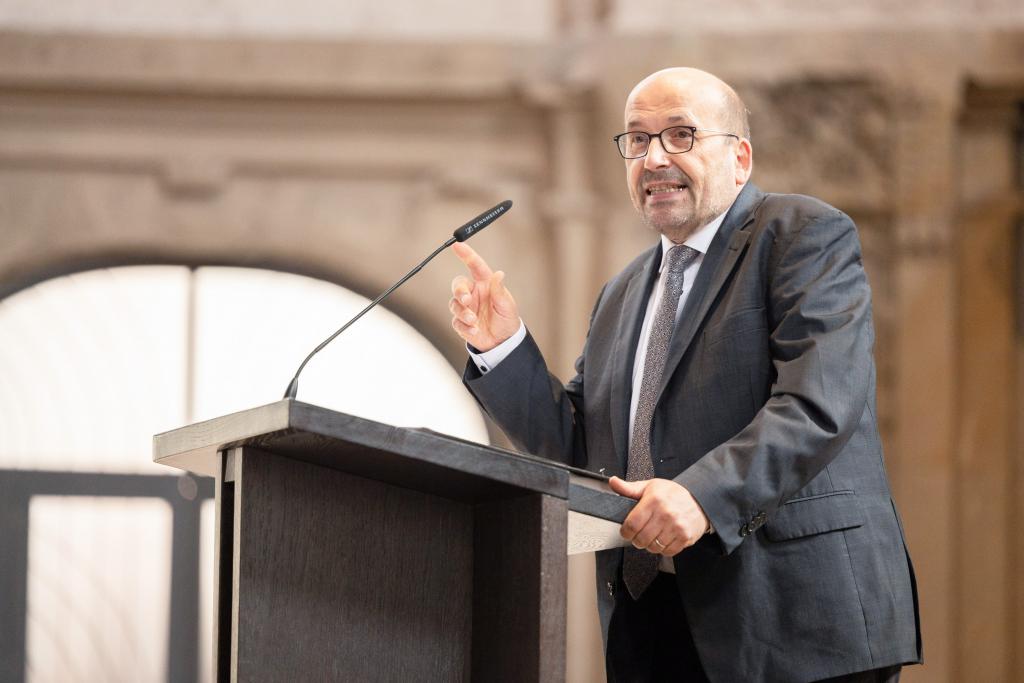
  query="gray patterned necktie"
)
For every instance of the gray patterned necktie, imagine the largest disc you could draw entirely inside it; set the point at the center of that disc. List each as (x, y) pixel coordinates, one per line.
(639, 566)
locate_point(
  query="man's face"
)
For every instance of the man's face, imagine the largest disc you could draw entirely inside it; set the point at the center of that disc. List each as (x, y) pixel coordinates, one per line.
(678, 193)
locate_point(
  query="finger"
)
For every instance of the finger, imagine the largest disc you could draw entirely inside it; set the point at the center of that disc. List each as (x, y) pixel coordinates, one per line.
(462, 289)
(461, 312)
(630, 489)
(478, 268)
(644, 539)
(635, 522)
(501, 298)
(677, 546)
(467, 332)
(659, 545)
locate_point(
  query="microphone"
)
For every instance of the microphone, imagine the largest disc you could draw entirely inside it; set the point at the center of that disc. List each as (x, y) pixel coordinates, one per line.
(460, 235)
(480, 222)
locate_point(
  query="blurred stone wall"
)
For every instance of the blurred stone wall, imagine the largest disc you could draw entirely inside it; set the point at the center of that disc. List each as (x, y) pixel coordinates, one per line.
(345, 142)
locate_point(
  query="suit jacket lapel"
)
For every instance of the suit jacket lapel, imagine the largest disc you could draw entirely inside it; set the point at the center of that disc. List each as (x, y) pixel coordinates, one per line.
(723, 254)
(634, 304)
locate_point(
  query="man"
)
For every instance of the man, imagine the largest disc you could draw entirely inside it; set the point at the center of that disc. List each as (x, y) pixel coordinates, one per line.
(728, 377)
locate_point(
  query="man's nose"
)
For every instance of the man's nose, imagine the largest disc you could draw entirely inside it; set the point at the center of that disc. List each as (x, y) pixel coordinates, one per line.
(656, 157)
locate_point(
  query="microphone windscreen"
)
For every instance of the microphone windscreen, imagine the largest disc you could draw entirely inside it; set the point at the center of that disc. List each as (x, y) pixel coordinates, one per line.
(482, 221)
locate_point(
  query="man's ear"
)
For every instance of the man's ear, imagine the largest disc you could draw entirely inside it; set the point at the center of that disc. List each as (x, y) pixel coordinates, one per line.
(744, 161)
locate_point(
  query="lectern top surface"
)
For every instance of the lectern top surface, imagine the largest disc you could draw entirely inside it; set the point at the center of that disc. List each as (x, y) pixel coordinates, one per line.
(415, 458)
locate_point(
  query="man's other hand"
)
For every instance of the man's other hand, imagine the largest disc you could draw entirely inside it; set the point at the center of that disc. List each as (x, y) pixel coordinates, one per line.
(667, 519)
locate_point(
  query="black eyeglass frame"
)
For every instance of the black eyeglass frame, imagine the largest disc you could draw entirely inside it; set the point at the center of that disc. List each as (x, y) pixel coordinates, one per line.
(650, 136)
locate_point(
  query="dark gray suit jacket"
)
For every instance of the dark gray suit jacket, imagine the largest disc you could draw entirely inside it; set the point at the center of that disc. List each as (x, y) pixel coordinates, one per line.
(767, 415)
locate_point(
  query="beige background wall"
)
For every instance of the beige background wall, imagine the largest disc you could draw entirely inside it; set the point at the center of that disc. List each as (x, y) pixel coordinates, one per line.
(345, 141)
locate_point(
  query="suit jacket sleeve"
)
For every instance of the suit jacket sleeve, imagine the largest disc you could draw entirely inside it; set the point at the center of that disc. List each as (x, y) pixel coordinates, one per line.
(540, 416)
(819, 311)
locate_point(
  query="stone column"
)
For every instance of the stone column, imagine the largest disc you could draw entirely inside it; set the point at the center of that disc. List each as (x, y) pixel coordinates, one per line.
(988, 538)
(923, 464)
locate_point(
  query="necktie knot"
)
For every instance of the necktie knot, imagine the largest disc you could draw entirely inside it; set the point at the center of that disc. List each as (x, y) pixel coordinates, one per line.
(679, 257)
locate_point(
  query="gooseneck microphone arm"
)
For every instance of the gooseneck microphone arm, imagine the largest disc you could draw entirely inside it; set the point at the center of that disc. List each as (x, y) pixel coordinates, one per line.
(461, 235)
(293, 386)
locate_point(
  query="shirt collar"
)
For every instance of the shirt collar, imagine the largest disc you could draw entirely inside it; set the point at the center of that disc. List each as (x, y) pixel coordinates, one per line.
(699, 240)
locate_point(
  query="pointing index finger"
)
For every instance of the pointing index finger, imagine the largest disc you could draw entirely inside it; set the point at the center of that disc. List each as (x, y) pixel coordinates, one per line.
(478, 268)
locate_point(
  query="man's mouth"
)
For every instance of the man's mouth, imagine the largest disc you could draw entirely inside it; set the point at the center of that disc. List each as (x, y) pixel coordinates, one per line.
(655, 190)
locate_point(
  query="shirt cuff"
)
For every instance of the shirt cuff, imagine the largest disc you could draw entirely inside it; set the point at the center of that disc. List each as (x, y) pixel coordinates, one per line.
(486, 361)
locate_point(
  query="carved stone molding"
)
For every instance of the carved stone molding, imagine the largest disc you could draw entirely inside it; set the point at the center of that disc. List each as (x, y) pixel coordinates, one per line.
(279, 68)
(829, 138)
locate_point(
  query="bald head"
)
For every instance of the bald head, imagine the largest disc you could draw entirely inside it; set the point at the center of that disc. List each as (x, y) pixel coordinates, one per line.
(716, 97)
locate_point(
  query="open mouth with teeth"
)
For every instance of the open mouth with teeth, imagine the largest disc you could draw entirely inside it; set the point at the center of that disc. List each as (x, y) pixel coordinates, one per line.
(663, 190)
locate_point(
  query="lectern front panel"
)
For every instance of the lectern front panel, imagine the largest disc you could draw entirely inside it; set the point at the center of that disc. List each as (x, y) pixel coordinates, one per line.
(345, 576)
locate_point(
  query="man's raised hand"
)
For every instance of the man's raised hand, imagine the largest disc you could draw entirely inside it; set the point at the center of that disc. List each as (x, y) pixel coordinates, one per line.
(483, 311)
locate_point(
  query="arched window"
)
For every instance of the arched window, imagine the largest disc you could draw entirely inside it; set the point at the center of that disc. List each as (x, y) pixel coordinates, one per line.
(91, 366)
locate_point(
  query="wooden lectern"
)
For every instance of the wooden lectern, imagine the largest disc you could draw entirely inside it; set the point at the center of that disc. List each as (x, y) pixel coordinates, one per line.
(350, 550)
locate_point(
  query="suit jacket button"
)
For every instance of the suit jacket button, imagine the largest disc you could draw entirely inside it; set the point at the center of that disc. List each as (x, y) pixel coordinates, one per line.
(611, 588)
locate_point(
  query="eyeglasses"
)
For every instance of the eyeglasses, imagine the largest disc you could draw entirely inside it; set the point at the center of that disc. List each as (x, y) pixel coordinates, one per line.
(674, 140)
